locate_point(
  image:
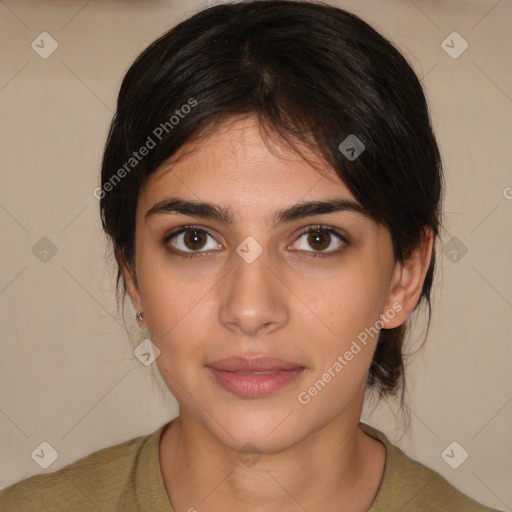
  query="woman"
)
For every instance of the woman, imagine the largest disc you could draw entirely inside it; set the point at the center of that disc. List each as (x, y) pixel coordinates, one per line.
(272, 189)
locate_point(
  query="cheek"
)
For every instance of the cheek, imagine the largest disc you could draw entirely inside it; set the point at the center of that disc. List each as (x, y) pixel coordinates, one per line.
(172, 296)
(350, 302)
(343, 353)
(179, 322)
(177, 328)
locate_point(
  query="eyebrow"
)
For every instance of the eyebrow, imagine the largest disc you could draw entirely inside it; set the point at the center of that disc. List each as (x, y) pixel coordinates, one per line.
(174, 205)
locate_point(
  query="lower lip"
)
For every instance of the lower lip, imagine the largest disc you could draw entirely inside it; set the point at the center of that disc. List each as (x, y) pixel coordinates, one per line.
(254, 385)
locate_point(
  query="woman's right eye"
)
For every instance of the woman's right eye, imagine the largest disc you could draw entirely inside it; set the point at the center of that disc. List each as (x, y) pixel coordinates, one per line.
(189, 239)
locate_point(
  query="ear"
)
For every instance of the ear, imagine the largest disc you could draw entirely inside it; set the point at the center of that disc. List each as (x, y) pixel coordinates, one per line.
(407, 281)
(132, 285)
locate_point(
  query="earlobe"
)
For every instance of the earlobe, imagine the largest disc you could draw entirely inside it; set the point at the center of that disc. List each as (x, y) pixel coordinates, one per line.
(135, 297)
(407, 282)
(132, 288)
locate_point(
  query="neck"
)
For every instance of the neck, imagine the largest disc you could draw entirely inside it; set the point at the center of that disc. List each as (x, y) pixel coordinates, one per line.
(338, 463)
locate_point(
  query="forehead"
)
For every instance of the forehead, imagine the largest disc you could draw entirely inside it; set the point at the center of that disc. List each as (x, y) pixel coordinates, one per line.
(238, 149)
(248, 173)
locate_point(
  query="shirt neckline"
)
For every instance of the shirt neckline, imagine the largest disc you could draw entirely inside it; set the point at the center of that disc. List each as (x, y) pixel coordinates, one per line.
(383, 493)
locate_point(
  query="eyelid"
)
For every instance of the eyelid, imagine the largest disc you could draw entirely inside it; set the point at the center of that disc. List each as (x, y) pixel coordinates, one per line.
(322, 227)
(188, 227)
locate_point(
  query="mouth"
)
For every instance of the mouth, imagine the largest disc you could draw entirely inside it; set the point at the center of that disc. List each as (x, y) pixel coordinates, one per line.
(254, 378)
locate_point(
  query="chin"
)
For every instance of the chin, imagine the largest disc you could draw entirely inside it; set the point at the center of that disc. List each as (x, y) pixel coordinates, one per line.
(268, 432)
(259, 443)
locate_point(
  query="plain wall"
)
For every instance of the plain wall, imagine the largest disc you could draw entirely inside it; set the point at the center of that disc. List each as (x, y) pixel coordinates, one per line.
(68, 374)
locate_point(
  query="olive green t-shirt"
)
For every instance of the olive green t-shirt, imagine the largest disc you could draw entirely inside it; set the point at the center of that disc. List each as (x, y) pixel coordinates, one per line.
(127, 478)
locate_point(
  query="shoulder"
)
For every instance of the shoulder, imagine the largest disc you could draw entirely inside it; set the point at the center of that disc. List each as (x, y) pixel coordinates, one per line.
(431, 492)
(411, 486)
(95, 481)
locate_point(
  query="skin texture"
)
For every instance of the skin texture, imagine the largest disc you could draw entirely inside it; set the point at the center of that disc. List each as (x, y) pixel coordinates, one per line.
(286, 304)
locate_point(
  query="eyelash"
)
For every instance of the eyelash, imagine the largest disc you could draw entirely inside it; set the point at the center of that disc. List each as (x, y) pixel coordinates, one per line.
(311, 229)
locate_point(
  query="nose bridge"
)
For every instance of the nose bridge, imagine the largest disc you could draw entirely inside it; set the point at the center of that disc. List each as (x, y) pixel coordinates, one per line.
(252, 296)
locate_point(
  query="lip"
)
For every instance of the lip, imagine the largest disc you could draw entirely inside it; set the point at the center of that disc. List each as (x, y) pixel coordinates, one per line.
(238, 375)
(258, 364)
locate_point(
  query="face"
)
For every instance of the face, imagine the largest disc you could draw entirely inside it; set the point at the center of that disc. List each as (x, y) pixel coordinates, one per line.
(301, 288)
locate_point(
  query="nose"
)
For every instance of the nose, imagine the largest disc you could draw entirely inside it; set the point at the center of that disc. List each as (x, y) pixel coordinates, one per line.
(253, 297)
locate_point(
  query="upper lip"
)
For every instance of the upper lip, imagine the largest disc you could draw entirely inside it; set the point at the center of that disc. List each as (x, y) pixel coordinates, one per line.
(259, 364)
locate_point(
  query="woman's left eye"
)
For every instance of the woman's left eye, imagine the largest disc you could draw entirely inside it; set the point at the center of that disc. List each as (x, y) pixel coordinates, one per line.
(320, 238)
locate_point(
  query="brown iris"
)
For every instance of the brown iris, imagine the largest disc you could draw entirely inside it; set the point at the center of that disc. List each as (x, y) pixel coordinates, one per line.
(315, 239)
(194, 237)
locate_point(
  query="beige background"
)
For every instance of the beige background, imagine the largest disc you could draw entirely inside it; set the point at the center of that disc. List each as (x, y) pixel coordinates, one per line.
(68, 375)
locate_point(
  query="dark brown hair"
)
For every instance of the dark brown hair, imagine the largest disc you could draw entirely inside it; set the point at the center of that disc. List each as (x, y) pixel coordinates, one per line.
(310, 72)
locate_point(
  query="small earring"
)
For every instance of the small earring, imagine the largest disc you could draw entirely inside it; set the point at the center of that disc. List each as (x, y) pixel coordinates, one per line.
(140, 316)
